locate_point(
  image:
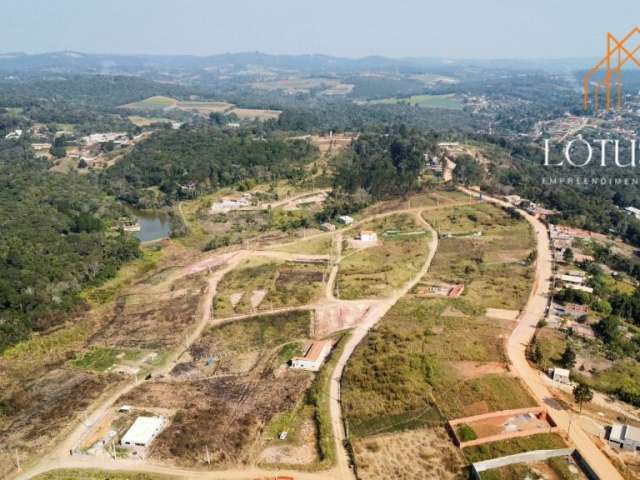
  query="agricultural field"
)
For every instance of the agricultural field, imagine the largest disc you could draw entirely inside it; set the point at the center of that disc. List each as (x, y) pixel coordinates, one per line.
(327, 86)
(321, 245)
(86, 474)
(433, 359)
(263, 284)
(139, 121)
(448, 102)
(376, 270)
(203, 108)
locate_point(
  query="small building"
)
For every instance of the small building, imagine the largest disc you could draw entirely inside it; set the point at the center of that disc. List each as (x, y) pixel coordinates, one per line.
(580, 258)
(575, 310)
(313, 357)
(231, 202)
(143, 431)
(560, 375)
(41, 146)
(582, 288)
(346, 219)
(14, 135)
(328, 227)
(368, 236)
(233, 125)
(575, 279)
(513, 199)
(633, 211)
(625, 436)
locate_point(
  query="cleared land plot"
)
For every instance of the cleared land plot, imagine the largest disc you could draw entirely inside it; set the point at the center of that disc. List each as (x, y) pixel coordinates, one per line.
(255, 114)
(226, 413)
(376, 271)
(449, 102)
(86, 474)
(313, 246)
(425, 454)
(146, 121)
(286, 284)
(152, 103)
(559, 468)
(406, 372)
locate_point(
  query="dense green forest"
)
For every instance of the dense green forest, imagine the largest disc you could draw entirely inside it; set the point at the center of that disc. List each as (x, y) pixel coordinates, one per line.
(54, 241)
(176, 164)
(384, 164)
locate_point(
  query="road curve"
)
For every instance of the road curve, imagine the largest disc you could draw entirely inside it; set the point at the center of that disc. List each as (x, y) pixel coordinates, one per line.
(374, 314)
(520, 338)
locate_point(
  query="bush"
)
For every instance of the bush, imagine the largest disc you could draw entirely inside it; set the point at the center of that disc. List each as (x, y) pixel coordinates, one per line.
(466, 433)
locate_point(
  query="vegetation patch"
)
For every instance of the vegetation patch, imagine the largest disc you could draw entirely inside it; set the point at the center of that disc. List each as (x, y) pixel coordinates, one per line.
(487, 451)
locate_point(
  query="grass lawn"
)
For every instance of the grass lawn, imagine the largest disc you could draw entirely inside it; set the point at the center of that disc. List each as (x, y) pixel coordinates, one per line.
(159, 101)
(541, 441)
(448, 102)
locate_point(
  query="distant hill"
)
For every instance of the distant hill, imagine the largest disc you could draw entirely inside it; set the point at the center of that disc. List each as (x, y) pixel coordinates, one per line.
(78, 62)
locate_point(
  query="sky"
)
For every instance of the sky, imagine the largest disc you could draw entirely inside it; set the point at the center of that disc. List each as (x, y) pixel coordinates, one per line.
(470, 29)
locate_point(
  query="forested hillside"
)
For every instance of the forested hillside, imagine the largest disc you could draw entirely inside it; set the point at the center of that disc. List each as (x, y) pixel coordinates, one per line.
(54, 241)
(174, 163)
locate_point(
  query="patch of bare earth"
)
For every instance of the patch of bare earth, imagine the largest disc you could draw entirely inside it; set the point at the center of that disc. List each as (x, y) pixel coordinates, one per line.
(469, 369)
(425, 454)
(226, 414)
(304, 453)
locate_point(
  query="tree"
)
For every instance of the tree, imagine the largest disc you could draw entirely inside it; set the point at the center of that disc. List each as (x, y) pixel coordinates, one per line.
(582, 394)
(568, 255)
(568, 359)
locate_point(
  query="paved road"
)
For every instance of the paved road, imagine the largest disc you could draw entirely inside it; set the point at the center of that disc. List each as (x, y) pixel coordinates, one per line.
(521, 337)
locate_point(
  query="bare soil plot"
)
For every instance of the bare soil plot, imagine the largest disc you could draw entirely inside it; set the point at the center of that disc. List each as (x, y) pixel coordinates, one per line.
(468, 369)
(425, 454)
(502, 314)
(226, 414)
(268, 284)
(39, 410)
(334, 317)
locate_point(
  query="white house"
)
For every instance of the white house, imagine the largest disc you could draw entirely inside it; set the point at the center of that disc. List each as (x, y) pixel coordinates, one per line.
(625, 436)
(346, 219)
(633, 211)
(13, 135)
(575, 279)
(231, 202)
(368, 236)
(143, 431)
(313, 357)
(561, 375)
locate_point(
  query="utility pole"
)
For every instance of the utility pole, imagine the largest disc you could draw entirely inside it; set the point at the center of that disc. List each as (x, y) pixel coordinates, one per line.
(18, 461)
(206, 447)
(115, 454)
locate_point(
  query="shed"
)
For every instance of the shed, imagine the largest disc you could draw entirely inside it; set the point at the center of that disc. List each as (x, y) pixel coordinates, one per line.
(561, 375)
(625, 436)
(143, 431)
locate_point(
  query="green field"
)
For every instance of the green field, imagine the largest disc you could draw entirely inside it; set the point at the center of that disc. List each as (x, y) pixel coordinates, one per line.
(78, 474)
(448, 102)
(101, 359)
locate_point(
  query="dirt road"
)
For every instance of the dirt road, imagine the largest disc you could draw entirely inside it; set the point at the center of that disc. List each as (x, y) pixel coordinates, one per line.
(533, 311)
(357, 334)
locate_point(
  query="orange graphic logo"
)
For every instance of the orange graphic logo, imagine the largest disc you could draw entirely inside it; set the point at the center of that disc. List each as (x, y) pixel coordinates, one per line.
(619, 52)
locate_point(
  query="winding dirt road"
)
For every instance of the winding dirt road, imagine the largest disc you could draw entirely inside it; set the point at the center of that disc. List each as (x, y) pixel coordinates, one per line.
(520, 338)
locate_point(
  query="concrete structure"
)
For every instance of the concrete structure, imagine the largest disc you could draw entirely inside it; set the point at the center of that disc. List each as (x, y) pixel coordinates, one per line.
(633, 211)
(575, 310)
(231, 202)
(346, 219)
(560, 375)
(41, 146)
(143, 431)
(14, 135)
(625, 436)
(526, 457)
(575, 279)
(313, 357)
(513, 199)
(368, 236)
(327, 227)
(582, 288)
